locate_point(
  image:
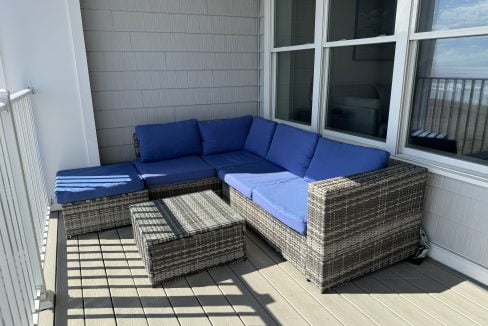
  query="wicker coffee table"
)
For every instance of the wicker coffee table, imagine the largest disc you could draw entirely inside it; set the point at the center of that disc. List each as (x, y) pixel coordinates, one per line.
(185, 234)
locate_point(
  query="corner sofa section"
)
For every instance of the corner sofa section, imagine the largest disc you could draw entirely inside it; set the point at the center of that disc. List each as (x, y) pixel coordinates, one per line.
(334, 210)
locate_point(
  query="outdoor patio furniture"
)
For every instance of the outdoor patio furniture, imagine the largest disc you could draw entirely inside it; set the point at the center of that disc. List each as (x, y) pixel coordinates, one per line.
(334, 210)
(186, 234)
(98, 198)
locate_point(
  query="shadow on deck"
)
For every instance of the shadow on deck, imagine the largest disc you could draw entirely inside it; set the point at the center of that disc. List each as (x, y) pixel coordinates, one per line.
(100, 278)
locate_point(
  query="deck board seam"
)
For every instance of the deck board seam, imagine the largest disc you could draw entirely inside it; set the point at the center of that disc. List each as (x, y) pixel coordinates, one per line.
(199, 302)
(106, 277)
(435, 298)
(307, 291)
(282, 294)
(382, 303)
(226, 298)
(418, 270)
(410, 301)
(137, 289)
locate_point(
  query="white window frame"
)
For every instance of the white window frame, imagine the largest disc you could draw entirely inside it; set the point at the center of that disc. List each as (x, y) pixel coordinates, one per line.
(271, 62)
(399, 40)
(406, 41)
(442, 164)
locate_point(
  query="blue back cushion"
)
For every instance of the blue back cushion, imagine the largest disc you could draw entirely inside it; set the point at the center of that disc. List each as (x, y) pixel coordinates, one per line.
(335, 159)
(170, 140)
(260, 136)
(224, 135)
(292, 148)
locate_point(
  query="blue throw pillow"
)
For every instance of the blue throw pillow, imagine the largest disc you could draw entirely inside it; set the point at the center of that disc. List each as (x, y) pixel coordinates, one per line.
(224, 135)
(170, 140)
(260, 136)
(335, 159)
(292, 148)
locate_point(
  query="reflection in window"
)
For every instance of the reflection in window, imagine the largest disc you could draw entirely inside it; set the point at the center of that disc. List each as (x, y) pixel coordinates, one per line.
(353, 19)
(359, 89)
(294, 82)
(446, 14)
(450, 104)
(294, 22)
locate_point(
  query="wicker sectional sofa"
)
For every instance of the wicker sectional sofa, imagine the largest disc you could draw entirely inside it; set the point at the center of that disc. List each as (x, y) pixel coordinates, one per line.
(335, 211)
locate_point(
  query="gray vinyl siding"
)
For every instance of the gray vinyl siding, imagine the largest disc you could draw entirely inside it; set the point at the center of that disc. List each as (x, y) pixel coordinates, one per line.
(456, 217)
(155, 61)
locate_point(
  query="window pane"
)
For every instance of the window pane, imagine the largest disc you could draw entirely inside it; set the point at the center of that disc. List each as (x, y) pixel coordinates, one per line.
(352, 19)
(447, 14)
(359, 89)
(294, 80)
(450, 104)
(294, 22)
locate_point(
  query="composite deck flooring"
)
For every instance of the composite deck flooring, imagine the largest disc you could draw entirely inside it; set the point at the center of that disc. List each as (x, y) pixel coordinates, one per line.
(101, 280)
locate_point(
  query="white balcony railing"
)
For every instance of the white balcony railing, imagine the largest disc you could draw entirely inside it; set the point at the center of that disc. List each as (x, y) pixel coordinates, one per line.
(24, 209)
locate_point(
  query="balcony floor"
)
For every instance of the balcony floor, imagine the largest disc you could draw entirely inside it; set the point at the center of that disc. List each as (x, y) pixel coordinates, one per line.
(100, 280)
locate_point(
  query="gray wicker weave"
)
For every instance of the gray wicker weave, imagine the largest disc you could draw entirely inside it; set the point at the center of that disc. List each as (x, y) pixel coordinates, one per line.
(356, 225)
(100, 213)
(186, 234)
(183, 188)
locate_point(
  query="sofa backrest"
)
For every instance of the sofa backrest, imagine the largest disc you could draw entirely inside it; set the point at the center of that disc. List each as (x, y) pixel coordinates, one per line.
(224, 135)
(169, 140)
(292, 148)
(336, 159)
(260, 136)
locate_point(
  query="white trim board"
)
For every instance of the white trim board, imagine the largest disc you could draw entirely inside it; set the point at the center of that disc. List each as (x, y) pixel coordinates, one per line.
(458, 263)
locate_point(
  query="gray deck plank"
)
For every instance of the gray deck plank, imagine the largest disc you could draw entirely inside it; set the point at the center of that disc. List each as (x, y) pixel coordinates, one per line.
(393, 301)
(342, 309)
(309, 308)
(476, 293)
(457, 302)
(187, 308)
(99, 271)
(215, 304)
(97, 301)
(420, 298)
(155, 303)
(69, 293)
(240, 297)
(125, 299)
(46, 317)
(267, 295)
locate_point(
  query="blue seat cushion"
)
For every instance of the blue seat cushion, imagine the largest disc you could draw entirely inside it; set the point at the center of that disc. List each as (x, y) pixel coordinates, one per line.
(244, 178)
(95, 182)
(260, 136)
(170, 140)
(224, 135)
(336, 159)
(286, 201)
(223, 160)
(182, 169)
(292, 148)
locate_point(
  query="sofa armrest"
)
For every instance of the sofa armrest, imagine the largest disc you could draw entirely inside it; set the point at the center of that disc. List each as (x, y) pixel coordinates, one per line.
(360, 223)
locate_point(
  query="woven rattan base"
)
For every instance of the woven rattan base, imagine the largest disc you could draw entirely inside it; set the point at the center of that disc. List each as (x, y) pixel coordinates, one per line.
(178, 189)
(101, 213)
(182, 235)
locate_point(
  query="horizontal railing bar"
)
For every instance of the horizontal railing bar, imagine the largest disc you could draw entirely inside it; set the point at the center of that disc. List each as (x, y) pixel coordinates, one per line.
(15, 97)
(456, 78)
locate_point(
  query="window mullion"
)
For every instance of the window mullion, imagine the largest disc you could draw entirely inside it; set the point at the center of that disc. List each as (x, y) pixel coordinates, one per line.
(317, 72)
(399, 73)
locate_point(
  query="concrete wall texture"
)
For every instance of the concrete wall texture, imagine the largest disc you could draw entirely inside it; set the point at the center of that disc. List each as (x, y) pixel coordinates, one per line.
(156, 61)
